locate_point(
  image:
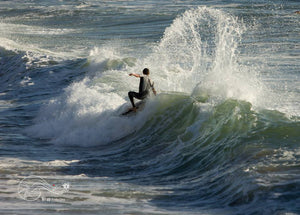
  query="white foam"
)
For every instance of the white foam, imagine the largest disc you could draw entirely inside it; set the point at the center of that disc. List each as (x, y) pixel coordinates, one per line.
(88, 113)
(6, 104)
(38, 53)
(34, 30)
(61, 162)
(27, 81)
(11, 163)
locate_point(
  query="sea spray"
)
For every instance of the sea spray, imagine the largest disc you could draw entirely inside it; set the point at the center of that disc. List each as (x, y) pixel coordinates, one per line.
(199, 53)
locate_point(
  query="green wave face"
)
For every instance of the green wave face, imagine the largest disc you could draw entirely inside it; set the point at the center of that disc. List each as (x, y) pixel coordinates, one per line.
(229, 150)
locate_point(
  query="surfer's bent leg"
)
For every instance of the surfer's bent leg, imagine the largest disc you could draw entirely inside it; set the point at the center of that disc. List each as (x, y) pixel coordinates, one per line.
(139, 96)
(132, 95)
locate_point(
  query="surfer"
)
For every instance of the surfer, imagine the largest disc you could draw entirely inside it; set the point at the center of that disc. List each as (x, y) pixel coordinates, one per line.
(144, 88)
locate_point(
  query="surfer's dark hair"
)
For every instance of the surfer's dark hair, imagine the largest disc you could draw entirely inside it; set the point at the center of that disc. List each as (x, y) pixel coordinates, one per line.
(146, 71)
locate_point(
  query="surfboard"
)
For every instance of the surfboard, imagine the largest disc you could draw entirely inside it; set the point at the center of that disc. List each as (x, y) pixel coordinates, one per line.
(139, 106)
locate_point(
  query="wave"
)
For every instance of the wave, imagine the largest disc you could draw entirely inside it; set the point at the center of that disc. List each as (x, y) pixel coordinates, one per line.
(215, 137)
(197, 56)
(209, 135)
(227, 153)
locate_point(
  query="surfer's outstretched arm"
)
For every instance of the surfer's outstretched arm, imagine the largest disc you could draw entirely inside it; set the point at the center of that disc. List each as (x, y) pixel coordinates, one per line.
(135, 75)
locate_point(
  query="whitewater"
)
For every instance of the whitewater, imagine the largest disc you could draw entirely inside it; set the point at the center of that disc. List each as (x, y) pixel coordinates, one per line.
(221, 136)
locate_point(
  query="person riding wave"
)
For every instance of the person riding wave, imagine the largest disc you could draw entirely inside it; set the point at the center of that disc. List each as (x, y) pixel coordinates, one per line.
(144, 88)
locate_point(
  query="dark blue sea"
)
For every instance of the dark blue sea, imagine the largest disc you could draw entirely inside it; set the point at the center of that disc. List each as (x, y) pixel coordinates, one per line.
(222, 135)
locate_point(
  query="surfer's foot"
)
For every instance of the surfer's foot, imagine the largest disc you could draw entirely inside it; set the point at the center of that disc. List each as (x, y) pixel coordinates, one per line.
(133, 109)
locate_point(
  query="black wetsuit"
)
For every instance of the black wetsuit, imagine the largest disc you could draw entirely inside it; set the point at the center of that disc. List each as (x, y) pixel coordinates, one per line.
(144, 89)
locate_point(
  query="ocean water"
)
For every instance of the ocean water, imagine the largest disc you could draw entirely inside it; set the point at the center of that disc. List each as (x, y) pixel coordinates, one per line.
(221, 137)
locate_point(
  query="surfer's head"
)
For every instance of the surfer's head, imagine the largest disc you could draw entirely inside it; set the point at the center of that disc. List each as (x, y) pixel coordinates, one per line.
(146, 71)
